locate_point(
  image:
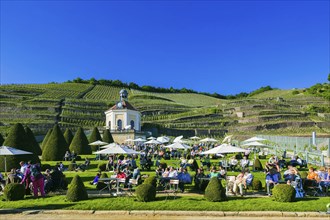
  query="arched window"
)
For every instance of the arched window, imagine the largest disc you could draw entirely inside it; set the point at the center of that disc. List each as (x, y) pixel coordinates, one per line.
(109, 124)
(119, 124)
(132, 124)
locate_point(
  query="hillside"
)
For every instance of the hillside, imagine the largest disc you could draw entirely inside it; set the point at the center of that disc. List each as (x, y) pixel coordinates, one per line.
(75, 104)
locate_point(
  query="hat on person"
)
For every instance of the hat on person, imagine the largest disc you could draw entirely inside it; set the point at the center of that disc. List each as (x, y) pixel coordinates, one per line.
(322, 169)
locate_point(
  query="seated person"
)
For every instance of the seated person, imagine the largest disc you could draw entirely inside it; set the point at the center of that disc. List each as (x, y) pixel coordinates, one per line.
(239, 182)
(199, 174)
(67, 156)
(233, 163)
(294, 177)
(244, 163)
(288, 174)
(133, 163)
(12, 177)
(248, 176)
(173, 173)
(222, 173)
(206, 162)
(272, 178)
(324, 178)
(96, 179)
(136, 173)
(282, 163)
(48, 182)
(184, 178)
(214, 173)
(2, 182)
(183, 161)
(61, 167)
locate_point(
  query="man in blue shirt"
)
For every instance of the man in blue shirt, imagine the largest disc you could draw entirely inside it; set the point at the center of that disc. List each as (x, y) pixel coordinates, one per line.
(272, 178)
(184, 178)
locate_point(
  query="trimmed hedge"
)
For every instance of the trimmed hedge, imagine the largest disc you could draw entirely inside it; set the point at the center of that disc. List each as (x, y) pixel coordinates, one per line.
(17, 138)
(68, 136)
(32, 141)
(80, 143)
(256, 184)
(107, 137)
(55, 147)
(102, 166)
(14, 192)
(151, 180)
(77, 190)
(95, 136)
(145, 192)
(46, 138)
(284, 193)
(214, 191)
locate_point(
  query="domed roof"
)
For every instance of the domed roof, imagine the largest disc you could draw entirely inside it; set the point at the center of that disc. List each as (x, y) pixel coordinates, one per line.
(123, 91)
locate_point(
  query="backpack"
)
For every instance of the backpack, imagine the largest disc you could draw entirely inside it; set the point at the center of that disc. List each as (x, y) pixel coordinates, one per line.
(35, 170)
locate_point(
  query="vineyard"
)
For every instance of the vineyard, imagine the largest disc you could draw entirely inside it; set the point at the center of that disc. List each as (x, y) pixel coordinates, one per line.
(74, 104)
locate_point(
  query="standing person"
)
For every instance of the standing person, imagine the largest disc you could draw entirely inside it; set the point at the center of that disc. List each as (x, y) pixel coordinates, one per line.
(33, 172)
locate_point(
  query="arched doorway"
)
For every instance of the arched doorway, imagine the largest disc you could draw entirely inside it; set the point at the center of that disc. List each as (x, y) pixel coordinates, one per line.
(119, 124)
(132, 124)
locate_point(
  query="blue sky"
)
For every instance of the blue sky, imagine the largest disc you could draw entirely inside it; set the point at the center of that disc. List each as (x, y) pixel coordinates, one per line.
(211, 46)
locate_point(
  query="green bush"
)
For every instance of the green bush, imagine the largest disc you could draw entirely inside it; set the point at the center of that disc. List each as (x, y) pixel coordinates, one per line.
(17, 138)
(77, 190)
(107, 137)
(46, 138)
(14, 191)
(1, 139)
(257, 165)
(284, 193)
(80, 143)
(95, 136)
(295, 92)
(145, 192)
(35, 147)
(214, 191)
(256, 184)
(72, 167)
(68, 136)
(55, 147)
(102, 166)
(163, 165)
(151, 180)
(303, 174)
(100, 184)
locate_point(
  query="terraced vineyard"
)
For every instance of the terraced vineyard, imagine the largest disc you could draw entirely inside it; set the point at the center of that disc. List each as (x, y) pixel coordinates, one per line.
(75, 104)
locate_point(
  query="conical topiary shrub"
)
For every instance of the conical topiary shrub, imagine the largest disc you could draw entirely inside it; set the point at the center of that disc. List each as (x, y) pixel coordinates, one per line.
(68, 136)
(77, 190)
(1, 139)
(14, 192)
(257, 165)
(46, 138)
(56, 146)
(214, 191)
(107, 137)
(145, 193)
(95, 136)
(284, 193)
(17, 139)
(32, 141)
(80, 143)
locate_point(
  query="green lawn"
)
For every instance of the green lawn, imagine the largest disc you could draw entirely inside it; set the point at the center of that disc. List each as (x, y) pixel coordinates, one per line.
(184, 201)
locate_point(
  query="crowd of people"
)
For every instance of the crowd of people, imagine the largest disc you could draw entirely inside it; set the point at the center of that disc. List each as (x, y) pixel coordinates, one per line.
(30, 175)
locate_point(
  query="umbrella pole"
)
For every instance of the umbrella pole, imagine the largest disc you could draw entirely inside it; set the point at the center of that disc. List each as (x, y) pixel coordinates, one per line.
(5, 165)
(99, 154)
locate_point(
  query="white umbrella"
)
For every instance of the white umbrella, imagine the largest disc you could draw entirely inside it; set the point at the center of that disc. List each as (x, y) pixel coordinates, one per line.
(208, 140)
(224, 149)
(177, 139)
(178, 145)
(194, 138)
(129, 140)
(139, 140)
(5, 150)
(151, 138)
(110, 145)
(255, 144)
(163, 139)
(255, 139)
(152, 141)
(98, 143)
(117, 149)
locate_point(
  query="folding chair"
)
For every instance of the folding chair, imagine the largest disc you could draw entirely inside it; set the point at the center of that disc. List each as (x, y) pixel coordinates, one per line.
(172, 187)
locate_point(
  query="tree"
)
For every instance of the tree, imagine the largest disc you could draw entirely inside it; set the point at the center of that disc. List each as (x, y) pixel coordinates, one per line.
(80, 143)
(1, 139)
(68, 136)
(17, 139)
(107, 137)
(46, 138)
(95, 136)
(77, 190)
(56, 146)
(32, 141)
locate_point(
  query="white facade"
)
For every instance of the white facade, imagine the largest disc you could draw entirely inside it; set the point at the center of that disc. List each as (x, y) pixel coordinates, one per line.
(123, 119)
